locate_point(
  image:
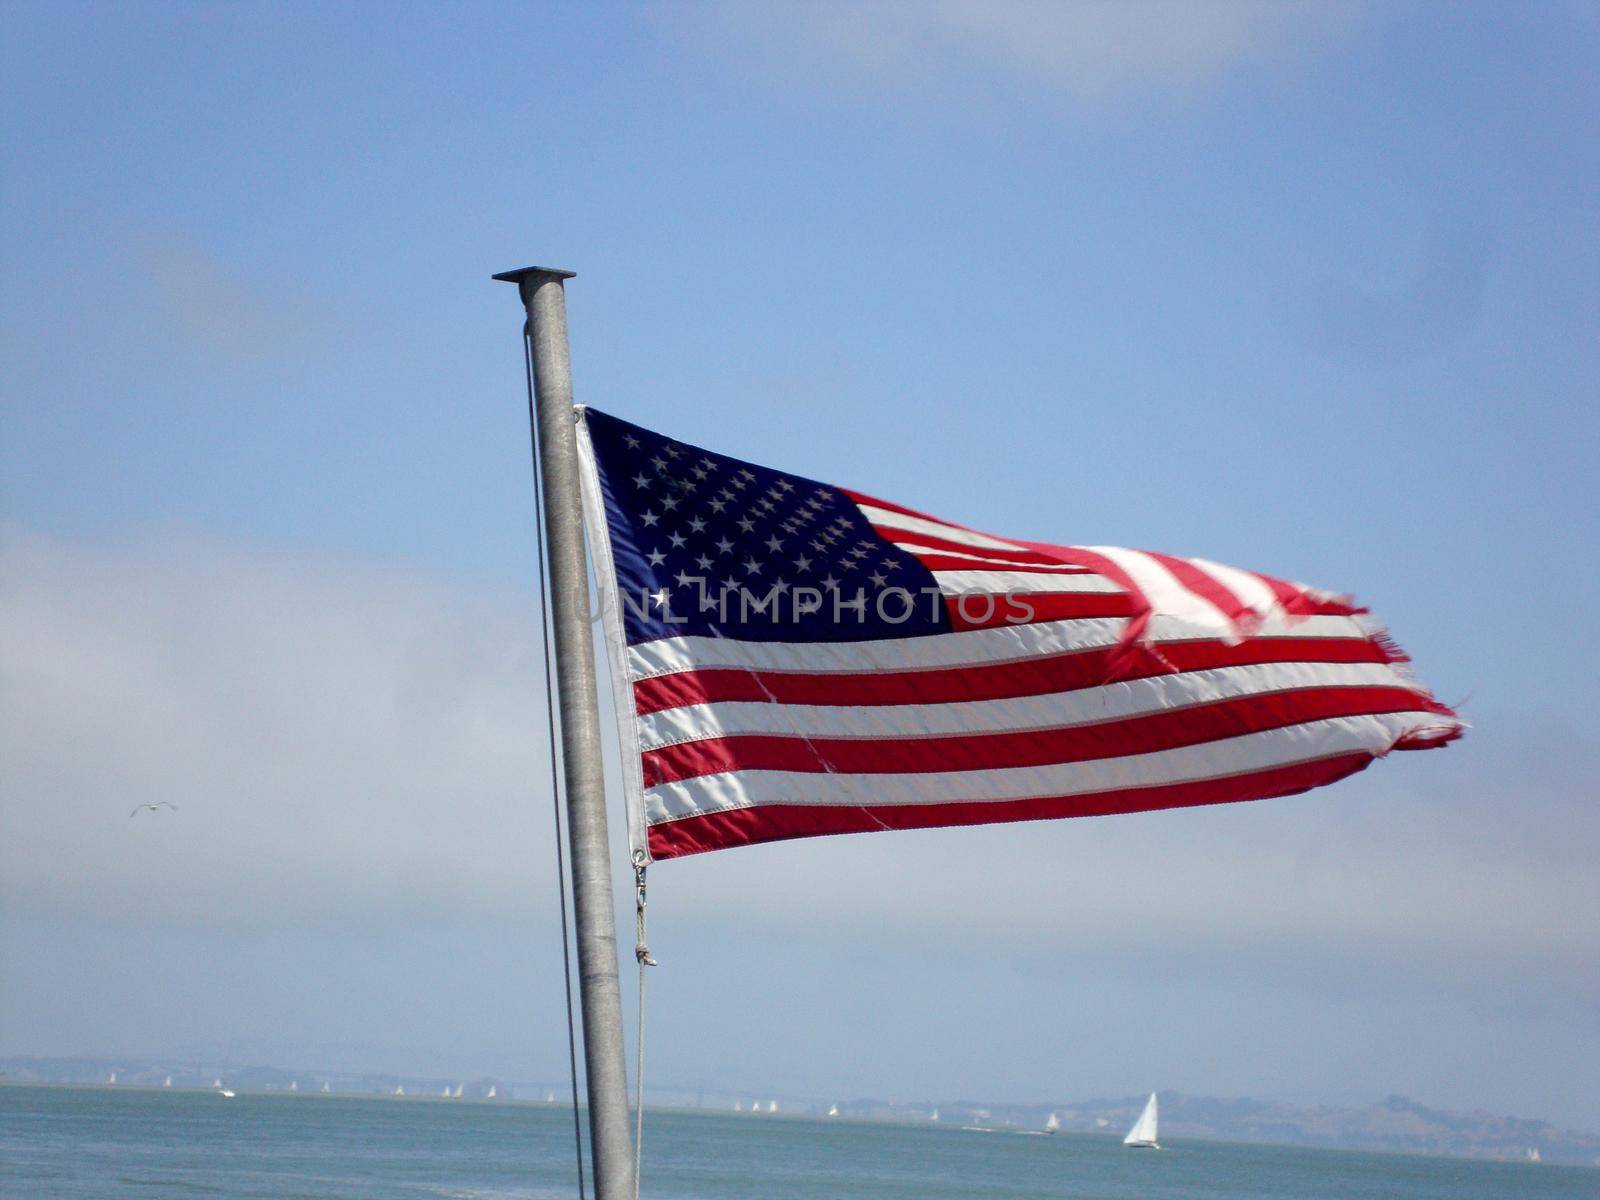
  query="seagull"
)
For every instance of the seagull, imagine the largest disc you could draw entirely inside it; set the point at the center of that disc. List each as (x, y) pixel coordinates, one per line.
(153, 807)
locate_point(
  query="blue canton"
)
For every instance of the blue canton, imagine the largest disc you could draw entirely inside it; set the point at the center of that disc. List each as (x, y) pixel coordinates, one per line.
(711, 546)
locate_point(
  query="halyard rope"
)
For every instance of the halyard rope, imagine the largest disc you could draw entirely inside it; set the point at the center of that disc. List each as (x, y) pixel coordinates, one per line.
(550, 721)
(641, 952)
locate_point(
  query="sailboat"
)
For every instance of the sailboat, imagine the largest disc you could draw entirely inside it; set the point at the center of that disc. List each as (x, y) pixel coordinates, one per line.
(167, 1082)
(446, 1093)
(457, 1093)
(294, 1085)
(111, 1079)
(399, 1089)
(738, 1106)
(772, 1106)
(1143, 1134)
(216, 1083)
(1053, 1125)
(491, 1092)
(934, 1116)
(324, 1085)
(833, 1110)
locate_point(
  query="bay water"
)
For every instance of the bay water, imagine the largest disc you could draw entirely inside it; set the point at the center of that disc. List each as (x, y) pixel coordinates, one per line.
(88, 1143)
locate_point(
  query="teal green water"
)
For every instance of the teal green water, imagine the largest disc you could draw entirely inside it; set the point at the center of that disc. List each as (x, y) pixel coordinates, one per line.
(101, 1142)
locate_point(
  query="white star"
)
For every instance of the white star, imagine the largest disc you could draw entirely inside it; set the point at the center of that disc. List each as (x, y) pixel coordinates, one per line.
(746, 524)
(650, 518)
(830, 582)
(878, 580)
(802, 563)
(660, 597)
(642, 479)
(678, 540)
(701, 472)
(718, 505)
(659, 463)
(685, 578)
(669, 502)
(774, 544)
(783, 485)
(725, 546)
(751, 565)
(698, 525)
(656, 558)
(633, 442)
(703, 563)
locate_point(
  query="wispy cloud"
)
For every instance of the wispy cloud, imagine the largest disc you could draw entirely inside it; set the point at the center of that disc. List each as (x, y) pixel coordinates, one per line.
(221, 311)
(1089, 50)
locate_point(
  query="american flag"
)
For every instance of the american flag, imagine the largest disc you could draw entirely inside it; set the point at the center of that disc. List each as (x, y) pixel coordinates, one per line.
(792, 658)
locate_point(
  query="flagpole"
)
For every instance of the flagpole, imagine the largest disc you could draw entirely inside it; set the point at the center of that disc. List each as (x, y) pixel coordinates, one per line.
(611, 1146)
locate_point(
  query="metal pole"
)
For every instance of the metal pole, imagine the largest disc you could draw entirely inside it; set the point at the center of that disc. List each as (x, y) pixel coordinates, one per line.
(593, 913)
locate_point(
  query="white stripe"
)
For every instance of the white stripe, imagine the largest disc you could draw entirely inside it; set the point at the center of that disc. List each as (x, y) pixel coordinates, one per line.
(998, 582)
(1056, 710)
(1210, 760)
(984, 564)
(950, 533)
(1003, 643)
(597, 533)
(1165, 594)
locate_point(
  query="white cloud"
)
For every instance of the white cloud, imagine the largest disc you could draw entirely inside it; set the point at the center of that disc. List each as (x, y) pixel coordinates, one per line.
(1092, 50)
(335, 738)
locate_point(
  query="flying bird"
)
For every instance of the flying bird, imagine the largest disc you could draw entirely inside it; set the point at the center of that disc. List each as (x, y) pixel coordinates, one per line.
(154, 807)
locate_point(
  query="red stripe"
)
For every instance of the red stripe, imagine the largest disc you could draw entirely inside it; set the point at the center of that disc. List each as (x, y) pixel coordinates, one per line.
(988, 610)
(1033, 676)
(775, 822)
(930, 542)
(1151, 733)
(1206, 587)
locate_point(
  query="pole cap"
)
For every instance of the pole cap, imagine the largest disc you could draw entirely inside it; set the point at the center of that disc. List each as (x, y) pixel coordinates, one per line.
(530, 273)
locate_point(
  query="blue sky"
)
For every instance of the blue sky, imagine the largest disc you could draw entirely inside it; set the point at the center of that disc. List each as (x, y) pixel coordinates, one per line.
(1312, 289)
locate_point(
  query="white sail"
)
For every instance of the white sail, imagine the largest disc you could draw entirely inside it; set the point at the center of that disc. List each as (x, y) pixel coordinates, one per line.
(399, 1089)
(112, 1078)
(934, 1116)
(833, 1110)
(294, 1086)
(772, 1106)
(216, 1083)
(457, 1092)
(324, 1085)
(446, 1093)
(1053, 1124)
(738, 1106)
(168, 1082)
(1143, 1132)
(491, 1091)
